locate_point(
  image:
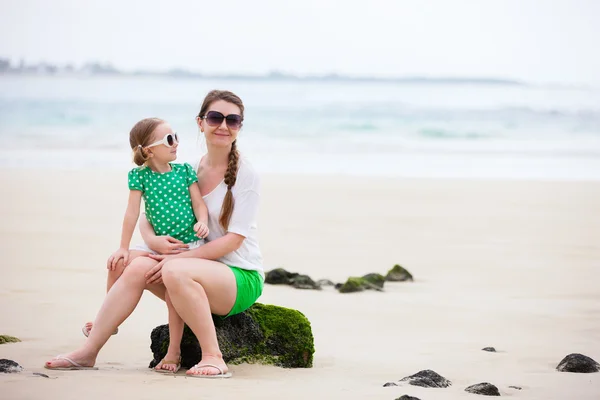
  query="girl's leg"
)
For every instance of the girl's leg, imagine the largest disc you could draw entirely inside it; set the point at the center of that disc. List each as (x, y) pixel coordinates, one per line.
(171, 360)
(198, 288)
(118, 304)
(112, 277)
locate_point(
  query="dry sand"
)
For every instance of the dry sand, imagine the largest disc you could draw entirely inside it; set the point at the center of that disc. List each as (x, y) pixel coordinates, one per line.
(514, 265)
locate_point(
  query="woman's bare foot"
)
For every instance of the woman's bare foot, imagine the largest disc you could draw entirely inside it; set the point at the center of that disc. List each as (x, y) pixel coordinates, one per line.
(203, 368)
(171, 362)
(79, 356)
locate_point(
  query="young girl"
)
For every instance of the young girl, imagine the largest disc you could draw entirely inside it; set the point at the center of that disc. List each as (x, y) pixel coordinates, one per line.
(173, 205)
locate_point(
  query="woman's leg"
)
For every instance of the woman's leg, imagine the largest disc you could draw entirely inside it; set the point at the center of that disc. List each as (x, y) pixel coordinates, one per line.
(118, 304)
(171, 359)
(198, 288)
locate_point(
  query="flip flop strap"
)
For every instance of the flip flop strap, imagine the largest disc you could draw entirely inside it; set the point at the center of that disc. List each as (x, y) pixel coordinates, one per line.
(69, 360)
(198, 366)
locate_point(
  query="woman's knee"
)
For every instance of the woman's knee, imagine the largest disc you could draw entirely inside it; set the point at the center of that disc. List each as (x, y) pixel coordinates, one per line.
(171, 273)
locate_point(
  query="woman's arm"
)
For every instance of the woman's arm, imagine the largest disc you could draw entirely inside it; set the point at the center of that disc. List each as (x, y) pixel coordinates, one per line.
(160, 244)
(215, 249)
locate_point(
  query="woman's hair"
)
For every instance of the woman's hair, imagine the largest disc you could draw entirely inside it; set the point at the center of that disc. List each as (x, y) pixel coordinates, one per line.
(234, 155)
(140, 137)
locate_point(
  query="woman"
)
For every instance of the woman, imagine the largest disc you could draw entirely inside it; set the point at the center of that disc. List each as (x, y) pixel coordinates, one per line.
(223, 277)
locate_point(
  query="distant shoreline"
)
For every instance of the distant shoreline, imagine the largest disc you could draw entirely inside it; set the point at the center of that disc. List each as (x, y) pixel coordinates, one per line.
(107, 70)
(277, 78)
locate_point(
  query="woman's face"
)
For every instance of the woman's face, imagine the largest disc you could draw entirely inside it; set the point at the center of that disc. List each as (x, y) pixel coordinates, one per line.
(223, 134)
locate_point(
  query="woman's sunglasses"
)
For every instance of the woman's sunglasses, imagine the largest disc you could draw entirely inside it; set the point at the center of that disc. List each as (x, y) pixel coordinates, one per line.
(169, 140)
(215, 118)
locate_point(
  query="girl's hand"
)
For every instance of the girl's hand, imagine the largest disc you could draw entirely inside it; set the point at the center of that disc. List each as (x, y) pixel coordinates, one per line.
(201, 230)
(154, 276)
(111, 264)
(167, 245)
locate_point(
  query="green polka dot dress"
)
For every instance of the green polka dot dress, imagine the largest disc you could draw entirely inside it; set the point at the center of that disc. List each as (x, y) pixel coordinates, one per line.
(167, 199)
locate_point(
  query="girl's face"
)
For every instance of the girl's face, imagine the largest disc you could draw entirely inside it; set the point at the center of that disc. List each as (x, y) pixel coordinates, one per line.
(159, 150)
(221, 123)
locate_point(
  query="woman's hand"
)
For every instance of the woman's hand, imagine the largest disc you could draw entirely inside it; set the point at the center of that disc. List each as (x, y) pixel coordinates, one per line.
(166, 245)
(154, 276)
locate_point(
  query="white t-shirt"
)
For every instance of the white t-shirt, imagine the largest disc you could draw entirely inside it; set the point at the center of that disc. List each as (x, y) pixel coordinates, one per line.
(243, 219)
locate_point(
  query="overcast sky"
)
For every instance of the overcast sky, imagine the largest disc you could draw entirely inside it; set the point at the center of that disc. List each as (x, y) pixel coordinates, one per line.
(541, 41)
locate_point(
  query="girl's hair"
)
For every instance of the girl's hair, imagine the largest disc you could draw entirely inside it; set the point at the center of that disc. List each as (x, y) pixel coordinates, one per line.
(141, 136)
(234, 155)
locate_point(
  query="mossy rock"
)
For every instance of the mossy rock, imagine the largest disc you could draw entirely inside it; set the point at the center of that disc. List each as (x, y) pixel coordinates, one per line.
(280, 276)
(376, 279)
(358, 284)
(398, 274)
(8, 339)
(264, 334)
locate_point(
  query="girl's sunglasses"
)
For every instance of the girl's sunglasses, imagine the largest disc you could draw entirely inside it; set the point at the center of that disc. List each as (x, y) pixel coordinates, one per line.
(215, 118)
(169, 140)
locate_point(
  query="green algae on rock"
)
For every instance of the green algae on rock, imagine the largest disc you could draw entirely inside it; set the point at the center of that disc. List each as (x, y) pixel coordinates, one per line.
(358, 284)
(398, 274)
(264, 334)
(8, 339)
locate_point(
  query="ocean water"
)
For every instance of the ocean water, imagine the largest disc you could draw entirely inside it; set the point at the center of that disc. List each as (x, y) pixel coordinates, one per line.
(351, 128)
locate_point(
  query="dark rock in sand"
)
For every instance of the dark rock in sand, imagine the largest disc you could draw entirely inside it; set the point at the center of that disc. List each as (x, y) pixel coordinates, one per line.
(398, 274)
(490, 349)
(337, 286)
(515, 387)
(264, 334)
(407, 397)
(8, 339)
(576, 362)
(485, 389)
(325, 282)
(9, 366)
(355, 284)
(280, 276)
(387, 384)
(375, 279)
(40, 374)
(305, 282)
(427, 378)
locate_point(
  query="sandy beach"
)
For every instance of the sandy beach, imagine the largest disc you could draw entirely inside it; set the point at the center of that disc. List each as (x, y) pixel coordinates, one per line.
(514, 265)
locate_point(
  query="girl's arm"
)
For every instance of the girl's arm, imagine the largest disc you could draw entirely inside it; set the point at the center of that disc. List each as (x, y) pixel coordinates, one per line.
(200, 210)
(131, 216)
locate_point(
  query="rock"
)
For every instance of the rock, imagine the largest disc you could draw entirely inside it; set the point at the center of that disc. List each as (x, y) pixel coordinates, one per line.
(325, 282)
(576, 362)
(375, 279)
(490, 349)
(515, 387)
(355, 284)
(427, 378)
(9, 366)
(40, 374)
(305, 282)
(280, 276)
(264, 334)
(398, 274)
(8, 339)
(485, 389)
(337, 286)
(387, 384)
(407, 397)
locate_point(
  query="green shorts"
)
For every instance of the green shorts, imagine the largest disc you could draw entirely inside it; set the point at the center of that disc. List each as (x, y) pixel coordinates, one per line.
(249, 288)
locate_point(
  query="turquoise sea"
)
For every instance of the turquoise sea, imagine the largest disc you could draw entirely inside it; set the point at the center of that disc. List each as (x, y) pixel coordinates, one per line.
(302, 127)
